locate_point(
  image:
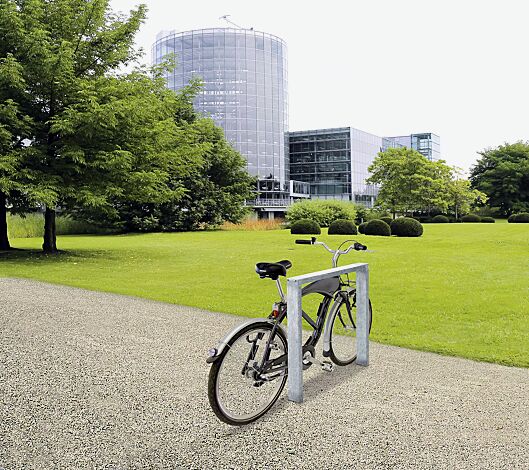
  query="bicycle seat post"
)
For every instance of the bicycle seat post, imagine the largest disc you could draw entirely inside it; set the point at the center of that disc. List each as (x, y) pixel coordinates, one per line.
(280, 290)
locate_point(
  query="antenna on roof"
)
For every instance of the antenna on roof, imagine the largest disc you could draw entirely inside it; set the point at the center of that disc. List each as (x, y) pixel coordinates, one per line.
(227, 20)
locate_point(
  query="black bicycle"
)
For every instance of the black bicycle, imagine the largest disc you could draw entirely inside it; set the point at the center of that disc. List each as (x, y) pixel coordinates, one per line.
(249, 366)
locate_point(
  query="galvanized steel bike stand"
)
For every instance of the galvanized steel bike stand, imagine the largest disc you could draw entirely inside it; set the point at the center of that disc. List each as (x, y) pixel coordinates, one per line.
(295, 339)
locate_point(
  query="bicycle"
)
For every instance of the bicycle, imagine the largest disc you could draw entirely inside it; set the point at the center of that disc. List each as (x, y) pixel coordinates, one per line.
(249, 366)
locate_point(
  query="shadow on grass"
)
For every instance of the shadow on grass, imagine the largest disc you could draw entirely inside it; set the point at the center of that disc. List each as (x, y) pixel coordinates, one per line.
(20, 255)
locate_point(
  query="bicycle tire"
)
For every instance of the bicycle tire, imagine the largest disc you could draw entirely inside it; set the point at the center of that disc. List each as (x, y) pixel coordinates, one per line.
(213, 381)
(340, 308)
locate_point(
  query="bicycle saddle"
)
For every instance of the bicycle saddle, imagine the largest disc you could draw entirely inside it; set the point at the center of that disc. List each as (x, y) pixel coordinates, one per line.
(273, 270)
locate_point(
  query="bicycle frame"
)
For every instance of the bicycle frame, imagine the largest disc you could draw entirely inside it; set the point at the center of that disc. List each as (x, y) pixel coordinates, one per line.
(330, 289)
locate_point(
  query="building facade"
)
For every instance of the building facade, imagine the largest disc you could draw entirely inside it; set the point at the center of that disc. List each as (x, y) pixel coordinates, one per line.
(335, 162)
(427, 143)
(245, 81)
(245, 92)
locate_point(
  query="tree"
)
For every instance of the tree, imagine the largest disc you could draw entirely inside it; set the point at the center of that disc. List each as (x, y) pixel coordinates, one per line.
(59, 48)
(503, 174)
(14, 128)
(409, 181)
(463, 197)
(207, 174)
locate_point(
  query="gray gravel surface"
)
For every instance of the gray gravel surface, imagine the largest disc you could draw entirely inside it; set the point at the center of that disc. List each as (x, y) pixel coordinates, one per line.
(93, 380)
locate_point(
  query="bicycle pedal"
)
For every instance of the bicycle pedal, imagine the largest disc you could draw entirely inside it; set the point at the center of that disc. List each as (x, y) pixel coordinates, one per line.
(327, 366)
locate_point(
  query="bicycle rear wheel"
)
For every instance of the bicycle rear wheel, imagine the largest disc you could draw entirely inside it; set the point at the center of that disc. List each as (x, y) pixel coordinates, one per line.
(238, 391)
(343, 331)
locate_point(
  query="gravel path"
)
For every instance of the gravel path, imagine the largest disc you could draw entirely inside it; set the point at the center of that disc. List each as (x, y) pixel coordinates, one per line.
(93, 380)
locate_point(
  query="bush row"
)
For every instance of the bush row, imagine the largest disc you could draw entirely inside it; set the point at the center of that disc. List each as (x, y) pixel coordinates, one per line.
(401, 227)
(521, 218)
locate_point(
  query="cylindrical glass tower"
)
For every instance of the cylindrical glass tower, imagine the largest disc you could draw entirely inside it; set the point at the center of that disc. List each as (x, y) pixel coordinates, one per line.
(245, 92)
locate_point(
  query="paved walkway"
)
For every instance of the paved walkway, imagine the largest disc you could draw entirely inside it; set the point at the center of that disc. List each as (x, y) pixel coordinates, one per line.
(92, 380)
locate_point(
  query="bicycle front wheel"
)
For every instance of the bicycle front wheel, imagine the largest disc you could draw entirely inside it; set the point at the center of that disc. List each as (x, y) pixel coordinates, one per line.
(343, 331)
(239, 390)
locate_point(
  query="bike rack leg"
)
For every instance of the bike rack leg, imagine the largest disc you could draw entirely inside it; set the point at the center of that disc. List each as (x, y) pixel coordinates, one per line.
(295, 356)
(362, 299)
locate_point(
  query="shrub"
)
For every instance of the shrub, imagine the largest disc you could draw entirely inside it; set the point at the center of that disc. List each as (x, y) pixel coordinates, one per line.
(32, 225)
(440, 219)
(406, 227)
(522, 218)
(512, 218)
(362, 227)
(305, 227)
(377, 227)
(487, 220)
(342, 227)
(388, 220)
(321, 211)
(471, 218)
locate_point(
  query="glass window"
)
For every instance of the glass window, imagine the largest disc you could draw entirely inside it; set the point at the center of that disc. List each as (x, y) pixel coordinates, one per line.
(219, 40)
(229, 40)
(187, 42)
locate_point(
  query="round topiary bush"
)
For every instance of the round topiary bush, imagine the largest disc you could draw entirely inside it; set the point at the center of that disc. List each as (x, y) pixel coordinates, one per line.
(522, 218)
(511, 218)
(377, 227)
(406, 227)
(487, 220)
(440, 219)
(471, 218)
(388, 220)
(362, 227)
(305, 227)
(342, 227)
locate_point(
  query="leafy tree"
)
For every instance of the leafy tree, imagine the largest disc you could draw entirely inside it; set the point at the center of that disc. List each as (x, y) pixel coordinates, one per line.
(462, 196)
(409, 181)
(503, 174)
(59, 47)
(207, 176)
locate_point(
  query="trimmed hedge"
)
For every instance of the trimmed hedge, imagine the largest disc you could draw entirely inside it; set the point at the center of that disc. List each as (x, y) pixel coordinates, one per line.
(377, 227)
(406, 227)
(305, 227)
(342, 227)
(511, 218)
(487, 220)
(388, 220)
(471, 218)
(440, 219)
(362, 227)
(521, 218)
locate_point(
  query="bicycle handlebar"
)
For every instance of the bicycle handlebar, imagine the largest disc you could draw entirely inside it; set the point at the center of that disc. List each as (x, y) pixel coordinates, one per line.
(356, 246)
(304, 242)
(336, 253)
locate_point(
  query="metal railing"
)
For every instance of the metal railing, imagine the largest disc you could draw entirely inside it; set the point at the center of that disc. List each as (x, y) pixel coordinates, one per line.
(294, 315)
(283, 202)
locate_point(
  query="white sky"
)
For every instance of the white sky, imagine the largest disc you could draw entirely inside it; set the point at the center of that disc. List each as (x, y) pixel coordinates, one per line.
(456, 68)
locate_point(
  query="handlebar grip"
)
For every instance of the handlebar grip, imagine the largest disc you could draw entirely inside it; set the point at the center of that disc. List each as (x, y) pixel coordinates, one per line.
(304, 242)
(359, 247)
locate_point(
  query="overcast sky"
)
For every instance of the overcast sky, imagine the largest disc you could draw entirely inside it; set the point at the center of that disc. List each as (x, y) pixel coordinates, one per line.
(456, 68)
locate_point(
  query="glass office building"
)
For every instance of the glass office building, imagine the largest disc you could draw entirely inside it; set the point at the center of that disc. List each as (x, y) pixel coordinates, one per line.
(427, 144)
(245, 92)
(335, 162)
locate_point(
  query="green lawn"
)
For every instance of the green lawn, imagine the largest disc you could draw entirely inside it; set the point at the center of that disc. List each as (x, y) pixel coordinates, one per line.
(460, 289)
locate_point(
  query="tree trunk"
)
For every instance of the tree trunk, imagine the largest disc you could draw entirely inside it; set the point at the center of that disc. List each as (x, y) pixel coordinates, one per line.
(4, 239)
(50, 236)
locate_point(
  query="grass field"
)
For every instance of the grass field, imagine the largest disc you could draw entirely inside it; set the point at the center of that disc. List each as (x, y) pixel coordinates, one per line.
(460, 289)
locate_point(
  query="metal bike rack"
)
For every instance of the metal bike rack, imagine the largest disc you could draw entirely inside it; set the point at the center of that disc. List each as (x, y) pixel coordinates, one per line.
(295, 355)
